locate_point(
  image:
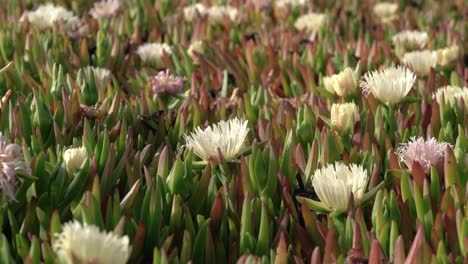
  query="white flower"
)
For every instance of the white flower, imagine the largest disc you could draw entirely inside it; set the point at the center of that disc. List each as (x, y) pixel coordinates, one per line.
(74, 158)
(385, 11)
(420, 62)
(106, 9)
(101, 75)
(344, 116)
(390, 86)
(196, 46)
(451, 95)
(12, 163)
(447, 56)
(292, 3)
(192, 11)
(426, 153)
(46, 16)
(310, 22)
(228, 136)
(153, 52)
(414, 39)
(216, 14)
(335, 183)
(342, 84)
(87, 244)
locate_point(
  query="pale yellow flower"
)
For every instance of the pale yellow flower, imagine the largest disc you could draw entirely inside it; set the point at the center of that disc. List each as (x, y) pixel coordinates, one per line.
(216, 14)
(342, 84)
(447, 56)
(193, 11)
(310, 22)
(48, 15)
(390, 86)
(420, 62)
(74, 158)
(227, 136)
(83, 243)
(385, 11)
(153, 52)
(344, 116)
(335, 183)
(451, 95)
(414, 39)
(196, 46)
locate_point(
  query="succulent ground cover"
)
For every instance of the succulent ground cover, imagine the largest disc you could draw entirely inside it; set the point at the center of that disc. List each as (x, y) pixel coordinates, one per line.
(259, 131)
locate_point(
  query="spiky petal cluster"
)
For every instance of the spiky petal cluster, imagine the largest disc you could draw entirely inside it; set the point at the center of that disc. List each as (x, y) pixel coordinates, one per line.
(426, 152)
(310, 22)
(451, 95)
(342, 84)
(195, 10)
(344, 116)
(216, 14)
(390, 86)
(335, 183)
(385, 11)
(420, 62)
(12, 163)
(227, 136)
(447, 56)
(106, 9)
(83, 243)
(166, 83)
(47, 15)
(74, 158)
(153, 52)
(414, 39)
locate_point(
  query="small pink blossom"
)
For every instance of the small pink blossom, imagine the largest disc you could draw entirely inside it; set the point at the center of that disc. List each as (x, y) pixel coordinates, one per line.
(426, 152)
(106, 9)
(11, 164)
(166, 83)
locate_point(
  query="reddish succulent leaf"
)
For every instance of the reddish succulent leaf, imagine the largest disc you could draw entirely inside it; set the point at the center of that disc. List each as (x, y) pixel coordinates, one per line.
(217, 211)
(418, 175)
(315, 258)
(399, 251)
(376, 254)
(330, 247)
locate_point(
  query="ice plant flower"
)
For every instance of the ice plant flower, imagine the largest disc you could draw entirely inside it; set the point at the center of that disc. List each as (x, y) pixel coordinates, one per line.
(166, 83)
(414, 39)
(196, 46)
(344, 116)
(216, 14)
(292, 3)
(342, 84)
(227, 136)
(48, 15)
(101, 75)
(74, 158)
(451, 95)
(153, 52)
(447, 56)
(335, 183)
(195, 10)
(426, 152)
(390, 86)
(310, 22)
(385, 11)
(420, 62)
(83, 243)
(106, 9)
(12, 163)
